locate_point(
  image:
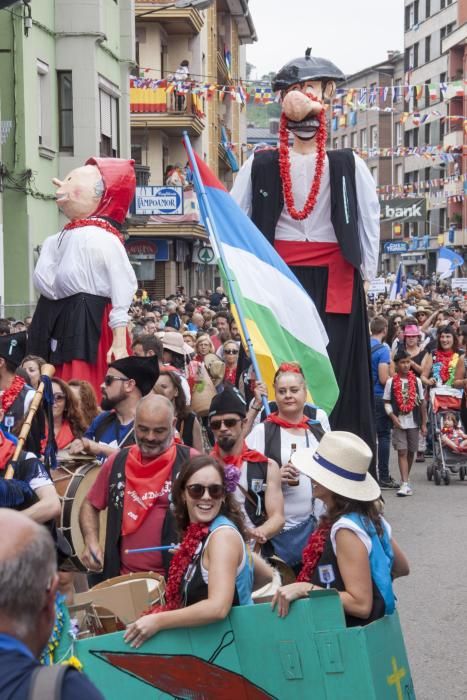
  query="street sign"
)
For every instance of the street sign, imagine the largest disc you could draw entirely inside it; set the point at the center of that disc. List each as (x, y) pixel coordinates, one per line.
(394, 247)
(403, 209)
(459, 283)
(155, 200)
(203, 255)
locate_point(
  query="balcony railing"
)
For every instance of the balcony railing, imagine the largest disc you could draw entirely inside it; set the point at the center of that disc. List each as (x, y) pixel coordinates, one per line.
(148, 97)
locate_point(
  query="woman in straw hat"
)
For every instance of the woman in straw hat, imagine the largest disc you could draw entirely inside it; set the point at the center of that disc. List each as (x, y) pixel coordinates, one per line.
(352, 550)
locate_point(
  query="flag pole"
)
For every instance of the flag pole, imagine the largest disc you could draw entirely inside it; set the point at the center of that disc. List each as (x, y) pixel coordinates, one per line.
(208, 221)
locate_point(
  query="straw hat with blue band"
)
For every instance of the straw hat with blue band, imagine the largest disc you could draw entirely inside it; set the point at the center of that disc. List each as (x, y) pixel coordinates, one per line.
(340, 463)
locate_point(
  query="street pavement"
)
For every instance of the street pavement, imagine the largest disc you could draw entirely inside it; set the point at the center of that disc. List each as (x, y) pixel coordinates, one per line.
(431, 527)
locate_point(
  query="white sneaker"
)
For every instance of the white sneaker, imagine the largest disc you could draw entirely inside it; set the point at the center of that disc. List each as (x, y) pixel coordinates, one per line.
(405, 489)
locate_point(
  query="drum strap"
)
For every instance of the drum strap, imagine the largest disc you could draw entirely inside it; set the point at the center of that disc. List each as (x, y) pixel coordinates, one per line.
(47, 682)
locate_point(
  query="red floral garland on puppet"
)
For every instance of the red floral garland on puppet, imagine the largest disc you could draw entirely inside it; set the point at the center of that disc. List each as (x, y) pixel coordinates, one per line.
(10, 395)
(313, 551)
(405, 404)
(100, 223)
(284, 165)
(444, 357)
(183, 557)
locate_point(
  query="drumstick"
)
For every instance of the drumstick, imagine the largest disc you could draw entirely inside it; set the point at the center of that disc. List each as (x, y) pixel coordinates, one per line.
(163, 548)
(48, 371)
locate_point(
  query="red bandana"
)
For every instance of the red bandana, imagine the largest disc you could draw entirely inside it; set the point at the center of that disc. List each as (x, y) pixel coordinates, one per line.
(246, 455)
(312, 552)
(405, 401)
(274, 418)
(145, 483)
(195, 534)
(100, 223)
(10, 395)
(7, 449)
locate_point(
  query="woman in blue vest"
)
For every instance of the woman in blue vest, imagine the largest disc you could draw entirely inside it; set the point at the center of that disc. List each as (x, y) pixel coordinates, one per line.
(352, 550)
(212, 568)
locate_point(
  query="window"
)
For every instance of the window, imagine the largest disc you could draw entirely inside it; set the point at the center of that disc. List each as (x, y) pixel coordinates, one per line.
(427, 49)
(415, 11)
(363, 138)
(442, 79)
(345, 141)
(373, 136)
(398, 134)
(427, 133)
(427, 8)
(442, 36)
(442, 4)
(408, 17)
(65, 111)
(399, 177)
(335, 143)
(374, 174)
(109, 124)
(415, 137)
(44, 117)
(354, 139)
(415, 55)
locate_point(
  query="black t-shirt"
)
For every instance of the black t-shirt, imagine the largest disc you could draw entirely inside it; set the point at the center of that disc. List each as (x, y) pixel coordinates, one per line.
(15, 677)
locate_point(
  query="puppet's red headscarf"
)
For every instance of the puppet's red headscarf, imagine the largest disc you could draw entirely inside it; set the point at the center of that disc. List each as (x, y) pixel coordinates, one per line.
(120, 182)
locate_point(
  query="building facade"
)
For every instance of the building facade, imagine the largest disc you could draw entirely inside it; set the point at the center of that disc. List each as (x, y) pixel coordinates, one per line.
(64, 97)
(189, 66)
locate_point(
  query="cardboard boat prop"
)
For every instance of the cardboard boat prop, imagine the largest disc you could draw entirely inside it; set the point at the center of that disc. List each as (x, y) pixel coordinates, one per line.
(255, 655)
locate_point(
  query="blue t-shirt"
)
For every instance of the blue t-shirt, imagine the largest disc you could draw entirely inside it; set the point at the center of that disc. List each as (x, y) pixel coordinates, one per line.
(111, 433)
(380, 356)
(17, 665)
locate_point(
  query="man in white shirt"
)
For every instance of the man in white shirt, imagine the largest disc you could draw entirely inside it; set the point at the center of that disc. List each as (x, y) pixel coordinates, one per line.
(321, 213)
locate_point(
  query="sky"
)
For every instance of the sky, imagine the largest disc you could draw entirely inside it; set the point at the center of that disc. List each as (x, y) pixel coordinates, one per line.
(354, 34)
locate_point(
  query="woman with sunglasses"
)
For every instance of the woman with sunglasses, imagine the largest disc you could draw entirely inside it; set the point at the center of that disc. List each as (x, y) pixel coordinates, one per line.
(188, 426)
(394, 331)
(230, 355)
(212, 568)
(68, 419)
(293, 424)
(439, 367)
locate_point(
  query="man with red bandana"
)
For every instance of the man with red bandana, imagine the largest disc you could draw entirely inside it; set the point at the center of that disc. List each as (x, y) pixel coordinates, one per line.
(321, 213)
(84, 276)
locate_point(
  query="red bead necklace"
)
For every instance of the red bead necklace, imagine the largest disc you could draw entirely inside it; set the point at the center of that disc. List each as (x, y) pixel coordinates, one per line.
(100, 223)
(10, 395)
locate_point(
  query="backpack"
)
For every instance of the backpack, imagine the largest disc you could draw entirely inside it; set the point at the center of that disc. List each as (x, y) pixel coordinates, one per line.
(47, 681)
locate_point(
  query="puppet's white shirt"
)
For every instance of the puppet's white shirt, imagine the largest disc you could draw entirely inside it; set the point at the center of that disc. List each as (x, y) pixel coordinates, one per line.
(89, 260)
(317, 227)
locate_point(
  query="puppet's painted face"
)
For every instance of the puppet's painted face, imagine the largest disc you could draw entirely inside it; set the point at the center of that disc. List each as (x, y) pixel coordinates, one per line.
(302, 105)
(79, 194)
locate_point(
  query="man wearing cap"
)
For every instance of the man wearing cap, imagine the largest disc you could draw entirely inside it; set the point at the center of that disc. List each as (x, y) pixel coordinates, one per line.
(126, 381)
(259, 489)
(84, 276)
(135, 485)
(321, 213)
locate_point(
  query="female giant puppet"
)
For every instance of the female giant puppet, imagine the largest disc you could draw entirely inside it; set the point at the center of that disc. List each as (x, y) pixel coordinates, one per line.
(84, 276)
(321, 213)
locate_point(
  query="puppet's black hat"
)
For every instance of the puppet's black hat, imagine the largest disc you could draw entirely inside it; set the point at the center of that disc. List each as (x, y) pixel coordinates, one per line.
(306, 67)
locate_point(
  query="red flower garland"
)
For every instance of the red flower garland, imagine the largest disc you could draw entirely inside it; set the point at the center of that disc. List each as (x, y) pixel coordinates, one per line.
(100, 223)
(10, 395)
(313, 551)
(183, 557)
(405, 404)
(284, 165)
(444, 357)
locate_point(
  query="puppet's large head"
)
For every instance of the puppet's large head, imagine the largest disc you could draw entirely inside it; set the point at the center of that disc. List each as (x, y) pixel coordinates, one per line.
(304, 84)
(103, 187)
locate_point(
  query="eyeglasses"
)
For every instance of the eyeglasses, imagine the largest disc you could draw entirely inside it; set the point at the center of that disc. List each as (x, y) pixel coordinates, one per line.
(109, 380)
(230, 352)
(198, 490)
(228, 422)
(59, 397)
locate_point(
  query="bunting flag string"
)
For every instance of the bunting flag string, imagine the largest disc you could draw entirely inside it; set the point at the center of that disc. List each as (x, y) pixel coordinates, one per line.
(424, 185)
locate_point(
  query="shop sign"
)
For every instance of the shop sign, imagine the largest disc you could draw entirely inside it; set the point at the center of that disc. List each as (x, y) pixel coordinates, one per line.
(203, 255)
(142, 249)
(403, 209)
(155, 200)
(394, 247)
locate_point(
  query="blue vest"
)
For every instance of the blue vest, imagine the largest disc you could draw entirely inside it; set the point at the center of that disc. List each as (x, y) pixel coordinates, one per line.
(244, 580)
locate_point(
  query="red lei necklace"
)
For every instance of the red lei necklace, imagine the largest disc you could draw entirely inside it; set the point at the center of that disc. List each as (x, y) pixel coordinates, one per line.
(405, 402)
(100, 223)
(313, 551)
(195, 534)
(10, 395)
(284, 165)
(444, 357)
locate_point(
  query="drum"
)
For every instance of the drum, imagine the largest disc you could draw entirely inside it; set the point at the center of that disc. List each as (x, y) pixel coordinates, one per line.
(104, 620)
(73, 486)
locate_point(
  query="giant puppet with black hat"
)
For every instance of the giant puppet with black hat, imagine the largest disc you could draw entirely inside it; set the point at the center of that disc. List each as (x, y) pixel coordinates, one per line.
(84, 276)
(321, 213)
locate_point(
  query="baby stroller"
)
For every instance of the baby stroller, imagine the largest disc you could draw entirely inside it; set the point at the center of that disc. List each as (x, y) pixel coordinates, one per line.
(445, 461)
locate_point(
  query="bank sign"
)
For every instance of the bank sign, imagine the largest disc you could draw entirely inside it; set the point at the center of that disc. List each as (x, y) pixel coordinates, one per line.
(155, 200)
(400, 210)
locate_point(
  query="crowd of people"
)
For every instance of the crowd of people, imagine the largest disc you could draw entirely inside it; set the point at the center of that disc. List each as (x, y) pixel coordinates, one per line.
(188, 454)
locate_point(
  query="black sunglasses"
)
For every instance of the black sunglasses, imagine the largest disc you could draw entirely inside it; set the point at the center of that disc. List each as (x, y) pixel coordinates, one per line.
(109, 380)
(230, 352)
(228, 422)
(198, 490)
(59, 397)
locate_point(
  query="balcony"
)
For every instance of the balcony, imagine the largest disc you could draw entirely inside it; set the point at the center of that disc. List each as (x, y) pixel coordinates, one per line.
(175, 21)
(164, 107)
(455, 138)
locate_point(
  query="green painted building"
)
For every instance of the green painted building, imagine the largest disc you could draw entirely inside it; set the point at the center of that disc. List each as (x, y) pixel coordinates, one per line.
(64, 96)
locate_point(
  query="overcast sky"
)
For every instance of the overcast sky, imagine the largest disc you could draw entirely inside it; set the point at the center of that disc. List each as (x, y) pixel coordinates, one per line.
(353, 34)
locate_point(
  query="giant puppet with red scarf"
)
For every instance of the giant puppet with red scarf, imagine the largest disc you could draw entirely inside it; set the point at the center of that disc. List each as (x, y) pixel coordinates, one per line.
(321, 213)
(83, 274)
